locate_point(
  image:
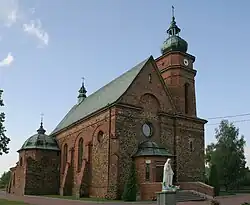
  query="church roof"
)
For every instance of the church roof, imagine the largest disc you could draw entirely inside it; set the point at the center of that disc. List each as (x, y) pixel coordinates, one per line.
(103, 97)
(149, 148)
(40, 141)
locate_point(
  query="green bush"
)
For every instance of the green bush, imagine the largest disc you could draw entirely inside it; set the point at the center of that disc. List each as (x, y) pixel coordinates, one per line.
(245, 203)
(214, 202)
(214, 180)
(130, 189)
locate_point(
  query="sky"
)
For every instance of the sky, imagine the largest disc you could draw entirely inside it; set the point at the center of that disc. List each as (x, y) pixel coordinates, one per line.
(46, 47)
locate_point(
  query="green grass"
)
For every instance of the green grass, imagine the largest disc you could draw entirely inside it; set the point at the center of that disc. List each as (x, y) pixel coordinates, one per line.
(7, 202)
(82, 199)
(224, 193)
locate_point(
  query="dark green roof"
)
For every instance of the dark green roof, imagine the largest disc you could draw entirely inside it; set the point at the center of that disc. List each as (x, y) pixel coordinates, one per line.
(174, 41)
(108, 94)
(149, 148)
(40, 141)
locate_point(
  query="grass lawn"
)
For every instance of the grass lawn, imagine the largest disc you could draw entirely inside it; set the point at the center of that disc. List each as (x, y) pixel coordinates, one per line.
(82, 199)
(6, 202)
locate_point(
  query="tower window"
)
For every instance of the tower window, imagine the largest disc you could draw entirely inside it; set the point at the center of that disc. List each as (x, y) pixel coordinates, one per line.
(150, 78)
(147, 177)
(186, 92)
(21, 161)
(191, 146)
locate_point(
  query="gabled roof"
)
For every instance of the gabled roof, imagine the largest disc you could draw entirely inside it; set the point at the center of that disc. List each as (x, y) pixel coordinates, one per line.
(106, 95)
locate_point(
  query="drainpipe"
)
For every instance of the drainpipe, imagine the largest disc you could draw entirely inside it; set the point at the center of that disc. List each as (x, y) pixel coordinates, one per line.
(109, 140)
(175, 157)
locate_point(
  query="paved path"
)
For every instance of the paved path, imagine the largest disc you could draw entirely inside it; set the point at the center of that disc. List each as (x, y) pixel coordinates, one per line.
(36, 200)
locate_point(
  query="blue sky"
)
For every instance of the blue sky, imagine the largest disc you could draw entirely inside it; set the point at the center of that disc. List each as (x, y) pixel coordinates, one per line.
(49, 45)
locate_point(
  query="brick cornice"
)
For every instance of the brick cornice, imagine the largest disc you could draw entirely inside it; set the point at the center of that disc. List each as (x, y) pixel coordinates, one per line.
(129, 106)
(175, 52)
(183, 117)
(173, 67)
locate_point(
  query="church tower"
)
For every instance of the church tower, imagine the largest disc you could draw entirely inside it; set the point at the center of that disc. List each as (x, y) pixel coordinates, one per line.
(176, 67)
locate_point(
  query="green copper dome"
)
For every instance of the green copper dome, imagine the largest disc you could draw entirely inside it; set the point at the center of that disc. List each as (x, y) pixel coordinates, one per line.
(149, 148)
(40, 141)
(174, 42)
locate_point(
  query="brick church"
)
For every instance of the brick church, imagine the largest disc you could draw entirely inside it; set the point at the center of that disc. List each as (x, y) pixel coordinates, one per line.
(146, 115)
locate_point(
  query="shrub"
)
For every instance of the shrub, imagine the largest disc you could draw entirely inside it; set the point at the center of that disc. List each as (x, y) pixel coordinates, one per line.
(214, 202)
(130, 189)
(214, 180)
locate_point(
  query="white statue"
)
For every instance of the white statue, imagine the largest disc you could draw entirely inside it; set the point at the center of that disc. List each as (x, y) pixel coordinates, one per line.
(167, 175)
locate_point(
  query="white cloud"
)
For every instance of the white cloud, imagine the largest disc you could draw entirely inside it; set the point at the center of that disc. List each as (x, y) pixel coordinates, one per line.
(34, 28)
(11, 13)
(7, 61)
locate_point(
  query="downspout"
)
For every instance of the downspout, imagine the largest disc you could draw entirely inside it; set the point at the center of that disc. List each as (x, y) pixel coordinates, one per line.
(109, 142)
(175, 150)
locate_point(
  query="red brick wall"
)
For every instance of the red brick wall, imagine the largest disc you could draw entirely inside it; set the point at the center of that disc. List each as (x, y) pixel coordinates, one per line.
(100, 149)
(175, 75)
(148, 190)
(42, 172)
(31, 175)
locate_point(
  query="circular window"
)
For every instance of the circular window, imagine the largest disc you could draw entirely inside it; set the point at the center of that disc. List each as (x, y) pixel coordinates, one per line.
(147, 129)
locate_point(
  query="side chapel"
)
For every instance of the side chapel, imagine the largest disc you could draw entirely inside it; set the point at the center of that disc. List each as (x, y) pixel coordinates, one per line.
(148, 114)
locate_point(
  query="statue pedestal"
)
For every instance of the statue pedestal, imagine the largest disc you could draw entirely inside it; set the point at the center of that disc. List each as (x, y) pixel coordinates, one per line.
(166, 198)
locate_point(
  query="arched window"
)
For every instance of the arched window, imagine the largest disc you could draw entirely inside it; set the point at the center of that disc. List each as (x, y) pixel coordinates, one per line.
(21, 161)
(186, 91)
(191, 145)
(80, 154)
(100, 136)
(65, 155)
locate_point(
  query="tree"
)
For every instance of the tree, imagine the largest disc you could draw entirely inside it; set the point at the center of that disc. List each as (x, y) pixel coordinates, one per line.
(4, 140)
(228, 155)
(4, 180)
(130, 189)
(214, 180)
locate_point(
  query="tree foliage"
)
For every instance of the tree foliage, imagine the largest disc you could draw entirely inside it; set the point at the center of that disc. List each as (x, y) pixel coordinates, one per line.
(4, 140)
(214, 180)
(130, 189)
(228, 155)
(4, 180)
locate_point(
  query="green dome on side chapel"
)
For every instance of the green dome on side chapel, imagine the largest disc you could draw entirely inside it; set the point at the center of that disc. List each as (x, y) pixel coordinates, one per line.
(40, 141)
(174, 42)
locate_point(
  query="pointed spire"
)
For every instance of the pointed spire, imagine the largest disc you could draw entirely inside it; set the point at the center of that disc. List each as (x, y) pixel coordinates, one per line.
(82, 92)
(41, 130)
(174, 42)
(173, 29)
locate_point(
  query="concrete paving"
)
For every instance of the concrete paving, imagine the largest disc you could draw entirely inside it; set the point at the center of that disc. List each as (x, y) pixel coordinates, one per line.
(39, 200)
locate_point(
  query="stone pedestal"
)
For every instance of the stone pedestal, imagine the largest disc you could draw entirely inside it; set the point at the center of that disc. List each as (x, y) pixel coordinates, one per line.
(166, 198)
(61, 191)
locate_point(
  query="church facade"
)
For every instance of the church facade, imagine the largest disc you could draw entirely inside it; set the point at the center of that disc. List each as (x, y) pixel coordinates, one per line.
(146, 115)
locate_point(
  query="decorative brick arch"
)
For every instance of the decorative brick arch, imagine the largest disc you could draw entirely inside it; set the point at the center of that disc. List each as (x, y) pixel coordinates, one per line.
(95, 132)
(150, 101)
